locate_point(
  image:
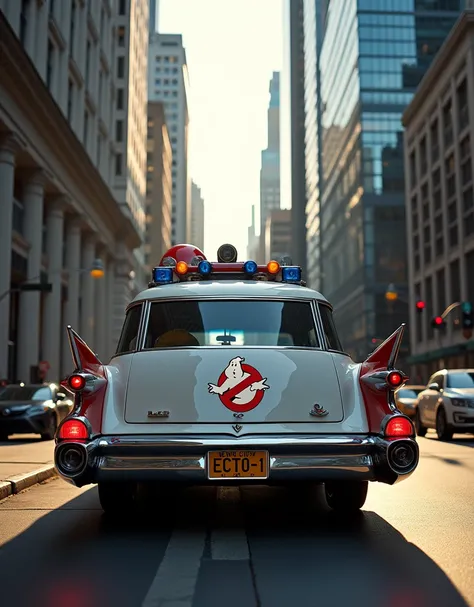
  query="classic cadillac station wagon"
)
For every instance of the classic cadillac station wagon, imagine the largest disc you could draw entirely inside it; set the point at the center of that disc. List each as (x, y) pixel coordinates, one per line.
(231, 372)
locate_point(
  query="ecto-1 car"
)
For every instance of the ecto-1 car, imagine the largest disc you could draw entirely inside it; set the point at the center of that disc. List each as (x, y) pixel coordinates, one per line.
(232, 372)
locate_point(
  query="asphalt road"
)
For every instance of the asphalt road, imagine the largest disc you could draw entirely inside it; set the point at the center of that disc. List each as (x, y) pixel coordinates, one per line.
(412, 546)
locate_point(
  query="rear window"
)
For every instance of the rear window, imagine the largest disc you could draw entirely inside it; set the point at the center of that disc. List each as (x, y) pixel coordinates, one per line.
(236, 323)
(129, 336)
(330, 329)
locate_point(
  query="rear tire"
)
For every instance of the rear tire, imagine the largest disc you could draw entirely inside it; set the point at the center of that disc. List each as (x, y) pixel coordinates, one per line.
(346, 497)
(420, 429)
(117, 498)
(443, 430)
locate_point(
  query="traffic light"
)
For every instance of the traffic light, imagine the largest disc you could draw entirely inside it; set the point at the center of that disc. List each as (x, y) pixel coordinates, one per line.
(438, 322)
(420, 306)
(467, 316)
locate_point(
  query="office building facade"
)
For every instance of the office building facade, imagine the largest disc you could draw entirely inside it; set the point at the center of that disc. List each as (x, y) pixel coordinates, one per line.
(158, 186)
(57, 172)
(373, 55)
(277, 235)
(168, 83)
(131, 62)
(439, 155)
(297, 119)
(197, 217)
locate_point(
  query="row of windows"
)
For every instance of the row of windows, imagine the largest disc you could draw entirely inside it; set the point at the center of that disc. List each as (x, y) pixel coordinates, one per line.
(167, 59)
(406, 6)
(166, 70)
(166, 81)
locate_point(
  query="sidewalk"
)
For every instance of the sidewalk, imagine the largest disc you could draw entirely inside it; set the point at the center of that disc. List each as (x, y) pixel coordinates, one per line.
(24, 461)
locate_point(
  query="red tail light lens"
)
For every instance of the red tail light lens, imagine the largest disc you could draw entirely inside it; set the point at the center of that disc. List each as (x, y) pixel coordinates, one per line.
(73, 429)
(395, 379)
(399, 427)
(77, 382)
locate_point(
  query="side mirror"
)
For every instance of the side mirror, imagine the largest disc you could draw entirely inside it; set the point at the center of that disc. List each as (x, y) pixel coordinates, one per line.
(434, 386)
(60, 396)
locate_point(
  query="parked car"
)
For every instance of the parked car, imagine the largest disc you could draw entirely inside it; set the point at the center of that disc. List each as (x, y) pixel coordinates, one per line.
(405, 398)
(233, 373)
(32, 409)
(447, 404)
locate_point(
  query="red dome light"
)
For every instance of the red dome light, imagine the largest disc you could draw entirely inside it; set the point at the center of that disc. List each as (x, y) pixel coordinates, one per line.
(73, 429)
(395, 379)
(77, 382)
(399, 427)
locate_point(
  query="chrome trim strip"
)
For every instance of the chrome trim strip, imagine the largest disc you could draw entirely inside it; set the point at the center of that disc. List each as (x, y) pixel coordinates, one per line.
(72, 335)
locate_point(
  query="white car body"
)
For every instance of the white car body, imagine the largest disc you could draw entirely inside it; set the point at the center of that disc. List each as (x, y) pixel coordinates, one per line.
(165, 410)
(447, 396)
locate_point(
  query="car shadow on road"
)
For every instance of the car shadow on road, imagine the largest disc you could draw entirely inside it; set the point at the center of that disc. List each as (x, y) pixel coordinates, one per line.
(458, 439)
(301, 553)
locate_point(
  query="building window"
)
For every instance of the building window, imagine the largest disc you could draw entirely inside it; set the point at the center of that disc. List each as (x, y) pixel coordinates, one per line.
(120, 67)
(427, 241)
(70, 95)
(441, 288)
(119, 130)
(72, 27)
(434, 141)
(450, 177)
(120, 99)
(423, 156)
(412, 169)
(468, 206)
(121, 36)
(23, 20)
(469, 275)
(49, 65)
(448, 124)
(463, 108)
(122, 7)
(465, 155)
(88, 62)
(118, 164)
(86, 128)
(455, 280)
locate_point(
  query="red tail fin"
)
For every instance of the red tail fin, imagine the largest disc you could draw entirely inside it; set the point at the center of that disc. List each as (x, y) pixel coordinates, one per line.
(83, 357)
(385, 356)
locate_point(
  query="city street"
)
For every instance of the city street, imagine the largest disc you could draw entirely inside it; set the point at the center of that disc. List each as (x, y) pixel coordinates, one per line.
(412, 546)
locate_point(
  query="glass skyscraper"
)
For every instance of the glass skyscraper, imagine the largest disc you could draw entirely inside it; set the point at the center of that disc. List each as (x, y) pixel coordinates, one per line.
(371, 57)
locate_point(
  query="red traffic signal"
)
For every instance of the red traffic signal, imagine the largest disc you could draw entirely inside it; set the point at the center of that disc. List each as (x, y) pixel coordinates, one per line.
(420, 305)
(437, 322)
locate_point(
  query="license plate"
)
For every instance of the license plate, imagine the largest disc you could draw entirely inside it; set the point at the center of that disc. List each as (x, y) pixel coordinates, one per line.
(237, 464)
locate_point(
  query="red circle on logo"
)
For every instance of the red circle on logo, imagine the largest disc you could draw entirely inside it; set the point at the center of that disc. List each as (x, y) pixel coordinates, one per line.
(227, 397)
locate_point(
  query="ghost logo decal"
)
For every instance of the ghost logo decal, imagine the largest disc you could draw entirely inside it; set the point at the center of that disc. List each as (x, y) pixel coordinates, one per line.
(318, 411)
(240, 387)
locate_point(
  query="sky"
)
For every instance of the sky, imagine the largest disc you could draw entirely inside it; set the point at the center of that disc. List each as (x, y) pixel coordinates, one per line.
(232, 49)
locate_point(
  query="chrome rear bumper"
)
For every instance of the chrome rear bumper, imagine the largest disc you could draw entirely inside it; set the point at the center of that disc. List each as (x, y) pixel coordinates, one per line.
(170, 458)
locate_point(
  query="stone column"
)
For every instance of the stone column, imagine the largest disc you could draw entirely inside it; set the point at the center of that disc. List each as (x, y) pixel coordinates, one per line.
(100, 332)
(8, 148)
(29, 312)
(52, 309)
(110, 283)
(87, 292)
(73, 267)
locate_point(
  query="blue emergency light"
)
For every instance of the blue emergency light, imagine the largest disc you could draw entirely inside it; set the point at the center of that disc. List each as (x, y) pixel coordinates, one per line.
(205, 268)
(291, 274)
(250, 267)
(162, 275)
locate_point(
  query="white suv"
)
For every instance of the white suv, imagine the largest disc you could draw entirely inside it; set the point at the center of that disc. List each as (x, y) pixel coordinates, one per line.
(447, 404)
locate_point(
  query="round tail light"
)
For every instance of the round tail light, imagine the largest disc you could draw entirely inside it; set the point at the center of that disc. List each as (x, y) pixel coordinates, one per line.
(73, 429)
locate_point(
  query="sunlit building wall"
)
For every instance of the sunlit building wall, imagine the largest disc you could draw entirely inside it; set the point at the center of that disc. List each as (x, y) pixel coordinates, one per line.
(439, 152)
(373, 55)
(168, 83)
(197, 217)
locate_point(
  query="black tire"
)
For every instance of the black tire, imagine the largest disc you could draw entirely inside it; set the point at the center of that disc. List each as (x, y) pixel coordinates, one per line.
(117, 498)
(51, 431)
(420, 429)
(346, 497)
(443, 430)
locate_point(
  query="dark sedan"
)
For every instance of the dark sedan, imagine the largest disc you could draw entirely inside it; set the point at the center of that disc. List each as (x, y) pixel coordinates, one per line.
(32, 409)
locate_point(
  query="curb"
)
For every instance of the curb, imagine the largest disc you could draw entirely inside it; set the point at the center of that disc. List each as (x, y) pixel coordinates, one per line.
(20, 482)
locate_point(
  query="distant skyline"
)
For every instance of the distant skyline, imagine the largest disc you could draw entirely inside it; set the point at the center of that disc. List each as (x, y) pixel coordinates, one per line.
(232, 48)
